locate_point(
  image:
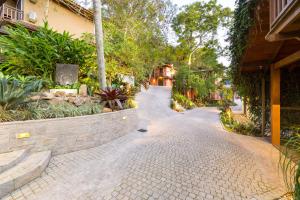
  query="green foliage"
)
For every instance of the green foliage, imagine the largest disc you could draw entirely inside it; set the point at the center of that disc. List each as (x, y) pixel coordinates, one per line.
(247, 85)
(14, 92)
(130, 103)
(229, 123)
(197, 24)
(36, 53)
(290, 164)
(183, 100)
(45, 110)
(227, 94)
(201, 82)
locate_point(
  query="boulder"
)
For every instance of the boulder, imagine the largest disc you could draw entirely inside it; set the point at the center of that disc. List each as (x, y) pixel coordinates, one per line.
(83, 90)
(47, 96)
(60, 94)
(71, 99)
(66, 74)
(35, 97)
(79, 101)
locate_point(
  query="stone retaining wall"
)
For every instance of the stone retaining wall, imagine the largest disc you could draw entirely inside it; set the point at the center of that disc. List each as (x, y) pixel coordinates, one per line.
(67, 134)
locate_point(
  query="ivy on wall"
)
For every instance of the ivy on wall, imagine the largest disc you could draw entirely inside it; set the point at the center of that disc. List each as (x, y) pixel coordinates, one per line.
(247, 85)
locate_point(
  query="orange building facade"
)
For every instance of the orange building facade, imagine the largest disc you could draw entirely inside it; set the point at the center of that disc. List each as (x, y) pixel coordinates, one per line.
(163, 76)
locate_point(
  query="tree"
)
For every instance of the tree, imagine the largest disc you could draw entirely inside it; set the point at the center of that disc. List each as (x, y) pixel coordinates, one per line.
(99, 43)
(197, 25)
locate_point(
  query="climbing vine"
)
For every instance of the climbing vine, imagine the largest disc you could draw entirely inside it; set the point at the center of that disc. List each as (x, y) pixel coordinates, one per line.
(247, 85)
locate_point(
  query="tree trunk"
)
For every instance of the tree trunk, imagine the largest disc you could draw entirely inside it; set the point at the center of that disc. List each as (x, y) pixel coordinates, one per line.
(99, 43)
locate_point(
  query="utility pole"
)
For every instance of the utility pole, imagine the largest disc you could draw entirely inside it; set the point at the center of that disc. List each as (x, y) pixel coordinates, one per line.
(99, 43)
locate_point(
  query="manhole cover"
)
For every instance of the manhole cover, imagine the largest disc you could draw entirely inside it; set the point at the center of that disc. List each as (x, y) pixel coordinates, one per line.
(142, 130)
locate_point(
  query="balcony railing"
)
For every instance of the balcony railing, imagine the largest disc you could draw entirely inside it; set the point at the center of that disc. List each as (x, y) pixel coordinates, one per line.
(277, 8)
(11, 13)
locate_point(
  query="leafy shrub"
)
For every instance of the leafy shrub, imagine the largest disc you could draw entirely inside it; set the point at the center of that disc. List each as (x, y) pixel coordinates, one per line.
(13, 92)
(14, 115)
(175, 106)
(183, 101)
(45, 110)
(36, 53)
(186, 79)
(229, 123)
(290, 165)
(130, 103)
(113, 97)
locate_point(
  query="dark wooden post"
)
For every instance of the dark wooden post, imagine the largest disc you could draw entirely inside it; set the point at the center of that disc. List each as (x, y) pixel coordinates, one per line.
(263, 104)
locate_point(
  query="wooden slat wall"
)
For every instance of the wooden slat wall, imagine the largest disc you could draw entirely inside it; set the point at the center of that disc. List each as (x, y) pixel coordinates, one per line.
(277, 8)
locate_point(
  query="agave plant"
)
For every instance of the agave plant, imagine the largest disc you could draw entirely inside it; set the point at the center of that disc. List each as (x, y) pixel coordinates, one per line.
(13, 92)
(113, 97)
(290, 165)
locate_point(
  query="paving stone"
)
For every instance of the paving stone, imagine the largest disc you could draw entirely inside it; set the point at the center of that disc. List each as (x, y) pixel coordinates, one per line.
(185, 156)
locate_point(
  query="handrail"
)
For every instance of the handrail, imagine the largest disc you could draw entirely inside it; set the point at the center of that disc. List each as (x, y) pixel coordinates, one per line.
(9, 12)
(277, 8)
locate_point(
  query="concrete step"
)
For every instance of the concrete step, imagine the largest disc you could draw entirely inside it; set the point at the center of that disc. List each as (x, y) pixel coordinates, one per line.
(8, 160)
(24, 172)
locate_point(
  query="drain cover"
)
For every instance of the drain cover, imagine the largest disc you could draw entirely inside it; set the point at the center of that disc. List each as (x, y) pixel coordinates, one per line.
(142, 130)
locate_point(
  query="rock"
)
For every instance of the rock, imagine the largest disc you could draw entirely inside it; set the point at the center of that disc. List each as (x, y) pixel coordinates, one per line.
(66, 74)
(47, 96)
(56, 100)
(71, 99)
(68, 92)
(83, 90)
(71, 95)
(79, 101)
(106, 110)
(35, 98)
(60, 94)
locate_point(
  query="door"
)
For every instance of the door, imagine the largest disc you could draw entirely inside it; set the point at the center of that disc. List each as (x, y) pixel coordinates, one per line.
(160, 81)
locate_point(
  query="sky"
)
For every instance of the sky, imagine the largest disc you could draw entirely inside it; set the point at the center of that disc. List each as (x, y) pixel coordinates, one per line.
(221, 33)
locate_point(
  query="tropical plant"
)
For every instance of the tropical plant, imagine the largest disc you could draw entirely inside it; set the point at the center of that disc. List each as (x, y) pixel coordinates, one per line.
(113, 97)
(43, 110)
(290, 165)
(183, 100)
(244, 128)
(36, 53)
(13, 92)
(201, 82)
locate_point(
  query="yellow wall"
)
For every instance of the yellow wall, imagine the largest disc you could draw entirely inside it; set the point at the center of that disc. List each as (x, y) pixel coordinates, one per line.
(59, 18)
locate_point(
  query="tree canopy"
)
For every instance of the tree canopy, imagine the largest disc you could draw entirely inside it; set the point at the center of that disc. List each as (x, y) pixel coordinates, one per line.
(197, 24)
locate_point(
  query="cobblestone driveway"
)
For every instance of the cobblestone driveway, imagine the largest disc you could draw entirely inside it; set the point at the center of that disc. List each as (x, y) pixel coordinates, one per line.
(182, 156)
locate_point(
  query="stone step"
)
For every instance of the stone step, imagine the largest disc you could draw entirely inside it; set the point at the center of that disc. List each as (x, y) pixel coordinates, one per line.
(8, 160)
(24, 172)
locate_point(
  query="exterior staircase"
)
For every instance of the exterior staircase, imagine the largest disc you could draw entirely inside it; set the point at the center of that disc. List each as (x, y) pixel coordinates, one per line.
(20, 167)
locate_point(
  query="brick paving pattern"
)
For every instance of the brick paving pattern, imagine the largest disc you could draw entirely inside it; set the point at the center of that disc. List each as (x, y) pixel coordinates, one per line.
(182, 156)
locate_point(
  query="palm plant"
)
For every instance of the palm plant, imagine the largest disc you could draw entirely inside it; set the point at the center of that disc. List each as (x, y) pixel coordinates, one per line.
(290, 165)
(10, 93)
(113, 97)
(13, 92)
